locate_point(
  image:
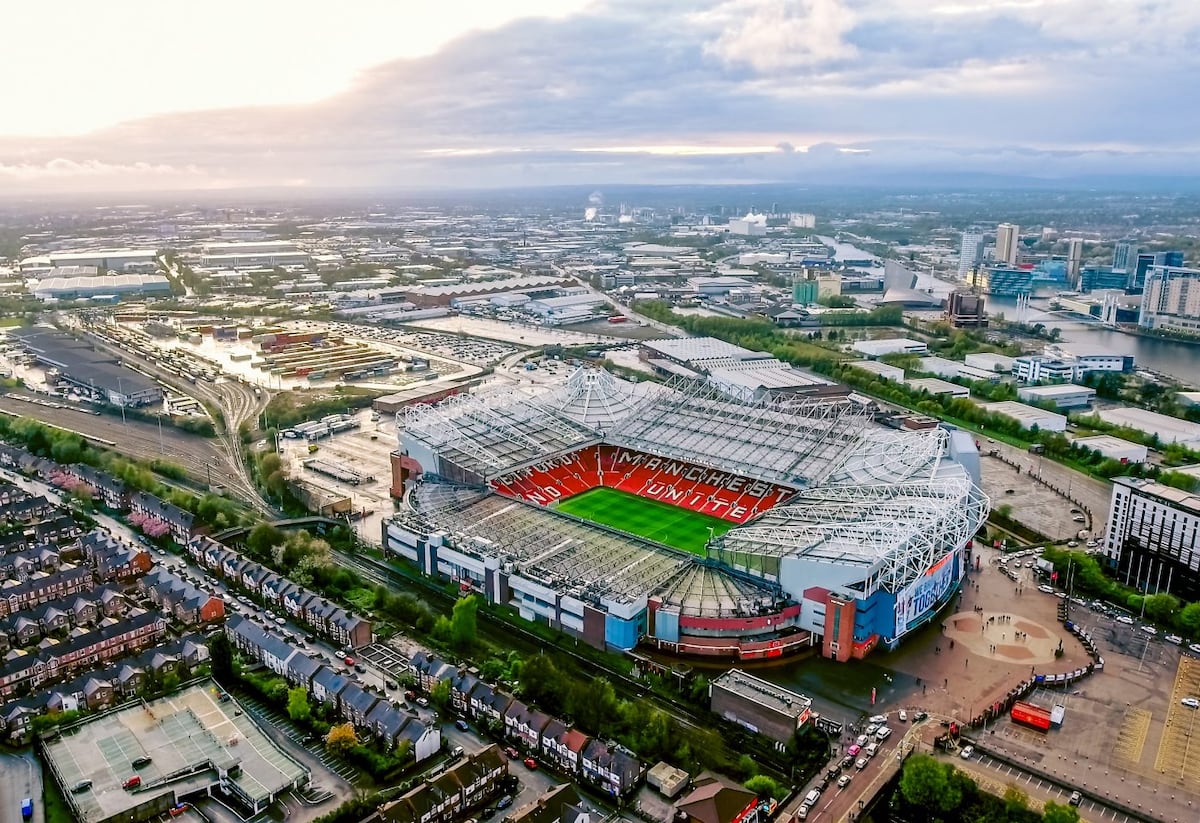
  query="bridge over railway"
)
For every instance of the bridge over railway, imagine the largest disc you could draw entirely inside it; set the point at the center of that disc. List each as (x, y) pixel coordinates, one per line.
(239, 532)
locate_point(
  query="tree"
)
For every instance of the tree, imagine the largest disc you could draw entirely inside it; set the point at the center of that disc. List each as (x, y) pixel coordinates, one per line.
(1189, 619)
(439, 695)
(1059, 813)
(220, 652)
(298, 707)
(341, 739)
(464, 623)
(925, 782)
(1161, 608)
(1015, 799)
(764, 786)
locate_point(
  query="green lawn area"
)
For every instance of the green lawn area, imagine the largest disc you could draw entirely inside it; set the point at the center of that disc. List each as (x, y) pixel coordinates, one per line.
(660, 522)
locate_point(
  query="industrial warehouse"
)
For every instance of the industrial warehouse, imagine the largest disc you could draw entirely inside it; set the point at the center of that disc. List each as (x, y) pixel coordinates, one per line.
(749, 525)
(96, 375)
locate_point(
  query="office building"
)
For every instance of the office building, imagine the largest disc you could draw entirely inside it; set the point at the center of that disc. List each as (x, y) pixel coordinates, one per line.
(1003, 280)
(1037, 368)
(1074, 260)
(1153, 537)
(970, 253)
(1125, 254)
(1171, 300)
(1007, 238)
(967, 311)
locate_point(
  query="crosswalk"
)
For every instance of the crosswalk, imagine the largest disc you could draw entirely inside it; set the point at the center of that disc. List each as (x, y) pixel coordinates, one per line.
(269, 715)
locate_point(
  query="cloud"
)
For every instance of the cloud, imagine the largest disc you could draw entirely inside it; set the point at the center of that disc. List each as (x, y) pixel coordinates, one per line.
(769, 35)
(735, 90)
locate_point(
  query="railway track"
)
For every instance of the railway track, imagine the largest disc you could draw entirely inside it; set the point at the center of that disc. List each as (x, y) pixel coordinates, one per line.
(236, 402)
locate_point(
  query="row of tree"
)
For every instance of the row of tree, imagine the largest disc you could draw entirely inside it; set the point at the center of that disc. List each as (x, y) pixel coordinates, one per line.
(66, 448)
(935, 791)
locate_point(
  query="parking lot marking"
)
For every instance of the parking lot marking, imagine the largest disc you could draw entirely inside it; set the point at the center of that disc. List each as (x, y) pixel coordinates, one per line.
(1177, 757)
(1131, 737)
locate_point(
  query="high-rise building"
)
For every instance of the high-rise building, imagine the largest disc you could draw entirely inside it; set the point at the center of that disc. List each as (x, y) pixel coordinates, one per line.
(970, 253)
(1007, 236)
(1004, 281)
(1171, 299)
(1125, 254)
(966, 311)
(1074, 260)
(1153, 537)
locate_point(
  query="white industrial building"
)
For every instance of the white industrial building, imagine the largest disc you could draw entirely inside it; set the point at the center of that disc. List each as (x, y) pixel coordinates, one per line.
(249, 255)
(1114, 448)
(1064, 396)
(111, 259)
(1038, 368)
(895, 345)
(882, 370)
(1029, 416)
(571, 308)
(1168, 429)
(937, 387)
(940, 366)
(989, 361)
(752, 225)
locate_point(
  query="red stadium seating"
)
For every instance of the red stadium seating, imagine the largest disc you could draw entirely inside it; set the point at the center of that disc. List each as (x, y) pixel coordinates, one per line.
(729, 496)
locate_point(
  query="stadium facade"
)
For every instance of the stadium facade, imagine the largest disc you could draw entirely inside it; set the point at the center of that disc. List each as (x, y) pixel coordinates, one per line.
(842, 534)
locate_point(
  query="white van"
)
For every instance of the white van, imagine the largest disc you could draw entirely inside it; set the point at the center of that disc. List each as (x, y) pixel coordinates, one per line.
(883, 734)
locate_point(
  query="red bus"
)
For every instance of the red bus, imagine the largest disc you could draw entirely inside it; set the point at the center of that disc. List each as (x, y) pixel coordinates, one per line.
(1030, 715)
(618, 318)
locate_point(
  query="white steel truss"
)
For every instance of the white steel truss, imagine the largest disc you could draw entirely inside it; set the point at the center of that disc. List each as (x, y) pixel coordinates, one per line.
(894, 532)
(793, 441)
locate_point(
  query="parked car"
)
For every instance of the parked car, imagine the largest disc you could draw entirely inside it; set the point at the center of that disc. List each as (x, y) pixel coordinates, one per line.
(530, 763)
(1076, 799)
(504, 802)
(132, 782)
(966, 752)
(461, 725)
(512, 752)
(1191, 702)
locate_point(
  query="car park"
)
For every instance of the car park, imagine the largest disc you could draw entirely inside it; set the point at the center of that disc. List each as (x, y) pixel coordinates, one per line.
(1075, 799)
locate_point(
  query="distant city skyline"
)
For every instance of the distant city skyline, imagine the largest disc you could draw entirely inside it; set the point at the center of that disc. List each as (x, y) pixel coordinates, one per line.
(134, 95)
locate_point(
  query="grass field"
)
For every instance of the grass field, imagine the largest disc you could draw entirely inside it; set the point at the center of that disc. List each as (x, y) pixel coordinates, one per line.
(660, 522)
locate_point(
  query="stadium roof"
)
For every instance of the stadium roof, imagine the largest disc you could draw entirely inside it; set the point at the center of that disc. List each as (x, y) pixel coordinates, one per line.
(596, 399)
(891, 508)
(791, 440)
(590, 562)
(489, 434)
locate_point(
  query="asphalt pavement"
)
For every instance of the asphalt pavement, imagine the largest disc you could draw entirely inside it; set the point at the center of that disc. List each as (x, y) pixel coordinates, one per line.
(20, 777)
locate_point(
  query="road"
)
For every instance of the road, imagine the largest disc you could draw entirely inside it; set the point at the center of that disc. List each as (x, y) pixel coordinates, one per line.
(20, 777)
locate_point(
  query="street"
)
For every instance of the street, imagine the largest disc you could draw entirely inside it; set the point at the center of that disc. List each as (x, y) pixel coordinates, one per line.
(20, 777)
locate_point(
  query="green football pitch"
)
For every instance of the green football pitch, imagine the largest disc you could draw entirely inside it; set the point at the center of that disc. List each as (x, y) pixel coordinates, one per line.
(660, 522)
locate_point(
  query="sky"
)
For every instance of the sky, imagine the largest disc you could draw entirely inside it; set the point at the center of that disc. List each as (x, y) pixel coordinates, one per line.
(132, 95)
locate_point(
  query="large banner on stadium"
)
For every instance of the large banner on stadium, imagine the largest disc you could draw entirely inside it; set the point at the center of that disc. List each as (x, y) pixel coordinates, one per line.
(927, 591)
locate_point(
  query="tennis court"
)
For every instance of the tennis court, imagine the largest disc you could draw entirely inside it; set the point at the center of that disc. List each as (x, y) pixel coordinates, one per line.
(651, 519)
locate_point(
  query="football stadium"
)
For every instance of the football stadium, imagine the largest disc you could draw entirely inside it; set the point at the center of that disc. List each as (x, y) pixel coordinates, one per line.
(694, 516)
